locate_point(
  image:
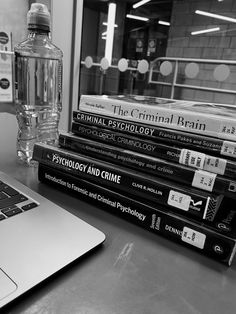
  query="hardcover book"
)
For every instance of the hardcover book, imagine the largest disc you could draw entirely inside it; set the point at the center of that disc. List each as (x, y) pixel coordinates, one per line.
(184, 156)
(158, 134)
(217, 120)
(157, 167)
(193, 202)
(211, 240)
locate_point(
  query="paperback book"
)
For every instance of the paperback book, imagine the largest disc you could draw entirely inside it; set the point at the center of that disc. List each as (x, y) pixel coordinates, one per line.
(157, 167)
(193, 202)
(158, 134)
(184, 156)
(212, 241)
(217, 120)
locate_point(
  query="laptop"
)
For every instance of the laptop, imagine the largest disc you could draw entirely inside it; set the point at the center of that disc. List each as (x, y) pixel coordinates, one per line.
(38, 238)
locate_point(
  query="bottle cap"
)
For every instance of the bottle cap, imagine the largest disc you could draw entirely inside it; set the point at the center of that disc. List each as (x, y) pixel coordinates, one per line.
(38, 17)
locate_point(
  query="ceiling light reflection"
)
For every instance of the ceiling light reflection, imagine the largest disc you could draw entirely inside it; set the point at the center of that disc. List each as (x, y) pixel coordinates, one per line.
(138, 4)
(137, 17)
(164, 23)
(216, 16)
(203, 31)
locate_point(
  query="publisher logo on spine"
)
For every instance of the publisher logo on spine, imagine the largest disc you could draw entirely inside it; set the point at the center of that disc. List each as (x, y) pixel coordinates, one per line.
(218, 249)
(222, 226)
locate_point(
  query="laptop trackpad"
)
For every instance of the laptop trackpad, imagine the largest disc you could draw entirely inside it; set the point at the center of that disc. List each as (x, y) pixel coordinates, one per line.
(7, 286)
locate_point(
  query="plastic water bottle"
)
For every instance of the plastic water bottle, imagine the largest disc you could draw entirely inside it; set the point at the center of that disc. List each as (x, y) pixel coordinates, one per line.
(38, 85)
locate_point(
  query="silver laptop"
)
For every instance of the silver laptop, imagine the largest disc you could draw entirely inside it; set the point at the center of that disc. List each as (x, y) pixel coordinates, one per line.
(38, 238)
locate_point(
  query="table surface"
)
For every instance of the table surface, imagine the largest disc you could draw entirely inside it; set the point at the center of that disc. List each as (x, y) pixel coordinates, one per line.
(134, 271)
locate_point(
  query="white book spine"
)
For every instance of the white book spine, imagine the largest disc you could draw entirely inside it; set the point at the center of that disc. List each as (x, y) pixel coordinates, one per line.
(172, 118)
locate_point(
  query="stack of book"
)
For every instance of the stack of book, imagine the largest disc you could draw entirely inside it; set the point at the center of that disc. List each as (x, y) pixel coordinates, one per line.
(166, 165)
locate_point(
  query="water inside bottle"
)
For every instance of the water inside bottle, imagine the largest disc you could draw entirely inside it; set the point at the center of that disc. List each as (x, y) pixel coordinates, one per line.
(38, 98)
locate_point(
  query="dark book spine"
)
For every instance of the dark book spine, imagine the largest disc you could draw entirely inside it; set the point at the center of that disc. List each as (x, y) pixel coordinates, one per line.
(200, 179)
(175, 137)
(173, 227)
(184, 156)
(193, 202)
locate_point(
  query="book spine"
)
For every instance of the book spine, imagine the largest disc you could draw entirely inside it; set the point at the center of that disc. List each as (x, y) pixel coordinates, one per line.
(155, 133)
(192, 202)
(189, 121)
(204, 180)
(184, 156)
(166, 224)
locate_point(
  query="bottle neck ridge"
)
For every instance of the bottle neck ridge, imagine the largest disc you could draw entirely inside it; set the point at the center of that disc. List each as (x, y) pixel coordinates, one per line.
(34, 33)
(38, 30)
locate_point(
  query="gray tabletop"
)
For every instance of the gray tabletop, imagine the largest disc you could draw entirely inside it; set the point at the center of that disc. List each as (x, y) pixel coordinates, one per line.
(134, 271)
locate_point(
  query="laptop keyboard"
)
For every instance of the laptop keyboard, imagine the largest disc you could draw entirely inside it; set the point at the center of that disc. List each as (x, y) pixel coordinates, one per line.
(12, 202)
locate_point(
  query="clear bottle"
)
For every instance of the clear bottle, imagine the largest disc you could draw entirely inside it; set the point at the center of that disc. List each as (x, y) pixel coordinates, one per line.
(38, 85)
